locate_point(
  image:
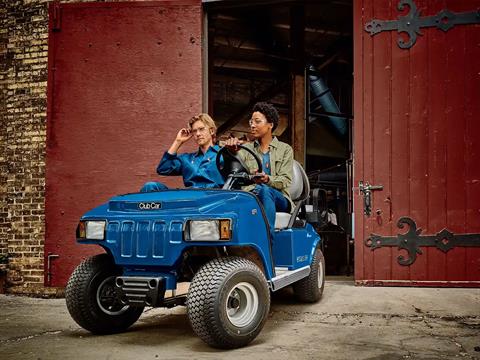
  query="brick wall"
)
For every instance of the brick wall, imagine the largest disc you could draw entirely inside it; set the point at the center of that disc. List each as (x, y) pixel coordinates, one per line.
(23, 81)
(4, 225)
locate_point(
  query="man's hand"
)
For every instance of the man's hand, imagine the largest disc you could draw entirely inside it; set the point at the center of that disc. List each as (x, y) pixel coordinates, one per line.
(232, 143)
(183, 135)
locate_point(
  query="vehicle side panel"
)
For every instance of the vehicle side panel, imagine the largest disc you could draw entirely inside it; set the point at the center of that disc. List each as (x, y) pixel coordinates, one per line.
(294, 248)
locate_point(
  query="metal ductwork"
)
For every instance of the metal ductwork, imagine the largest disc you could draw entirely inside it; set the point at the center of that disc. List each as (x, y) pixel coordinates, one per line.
(322, 101)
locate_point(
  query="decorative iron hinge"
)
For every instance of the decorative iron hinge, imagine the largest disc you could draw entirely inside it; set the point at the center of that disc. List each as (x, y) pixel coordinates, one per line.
(412, 240)
(412, 22)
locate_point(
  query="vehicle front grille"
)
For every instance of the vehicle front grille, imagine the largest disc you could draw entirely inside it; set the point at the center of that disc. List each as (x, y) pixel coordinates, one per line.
(143, 238)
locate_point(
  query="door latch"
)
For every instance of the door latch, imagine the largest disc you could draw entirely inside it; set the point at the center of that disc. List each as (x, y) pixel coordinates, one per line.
(366, 190)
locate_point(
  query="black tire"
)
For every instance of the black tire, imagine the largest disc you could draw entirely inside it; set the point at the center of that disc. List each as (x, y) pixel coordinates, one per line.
(221, 304)
(310, 289)
(91, 299)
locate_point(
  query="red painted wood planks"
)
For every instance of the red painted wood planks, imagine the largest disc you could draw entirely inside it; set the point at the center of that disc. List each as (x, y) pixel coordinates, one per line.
(418, 140)
(400, 110)
(455, 146)
(437, 145)
(381, 139)
(472, 147)
(125, 77)
(358, 151)
(367, 129)
(430, 153)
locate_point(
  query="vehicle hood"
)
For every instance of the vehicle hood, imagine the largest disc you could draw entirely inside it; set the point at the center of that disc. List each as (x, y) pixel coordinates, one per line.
(168, 201)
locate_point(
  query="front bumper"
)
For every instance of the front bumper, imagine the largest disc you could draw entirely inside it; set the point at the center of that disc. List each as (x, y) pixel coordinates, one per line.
(140, 291)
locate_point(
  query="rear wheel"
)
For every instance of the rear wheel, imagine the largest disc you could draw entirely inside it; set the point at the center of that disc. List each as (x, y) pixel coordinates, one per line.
(91, 298)
(310, 289)
(228, 302)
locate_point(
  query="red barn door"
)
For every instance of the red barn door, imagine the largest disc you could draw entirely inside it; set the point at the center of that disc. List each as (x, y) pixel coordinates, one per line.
(123, 78)
(417, 134)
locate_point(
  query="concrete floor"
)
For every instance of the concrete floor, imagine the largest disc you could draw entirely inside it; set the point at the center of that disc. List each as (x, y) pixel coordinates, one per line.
(348, 323)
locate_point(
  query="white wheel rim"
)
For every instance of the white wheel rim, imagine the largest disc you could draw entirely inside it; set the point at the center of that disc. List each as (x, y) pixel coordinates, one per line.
(242, 304)
(106, 299)
(320, 274)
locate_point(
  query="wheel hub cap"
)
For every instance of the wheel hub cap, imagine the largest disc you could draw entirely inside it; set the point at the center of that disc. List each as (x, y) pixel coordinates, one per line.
(242, 304)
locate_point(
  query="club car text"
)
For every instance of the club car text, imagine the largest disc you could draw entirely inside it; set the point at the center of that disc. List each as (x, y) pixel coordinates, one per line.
(149, 206)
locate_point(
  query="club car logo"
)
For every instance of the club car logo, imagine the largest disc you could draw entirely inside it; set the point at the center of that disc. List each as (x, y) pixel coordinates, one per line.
(149, 206)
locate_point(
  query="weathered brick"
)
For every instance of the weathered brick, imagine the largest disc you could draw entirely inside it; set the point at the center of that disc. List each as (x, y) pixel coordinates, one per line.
(23, 75)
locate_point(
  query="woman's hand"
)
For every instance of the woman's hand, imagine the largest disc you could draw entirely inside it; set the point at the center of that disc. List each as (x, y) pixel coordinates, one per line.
(261, 178)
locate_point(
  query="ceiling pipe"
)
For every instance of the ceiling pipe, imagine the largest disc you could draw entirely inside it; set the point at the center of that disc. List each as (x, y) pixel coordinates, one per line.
(323, 100)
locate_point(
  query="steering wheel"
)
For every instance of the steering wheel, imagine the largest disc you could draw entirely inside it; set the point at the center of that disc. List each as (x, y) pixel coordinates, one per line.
(234, 165)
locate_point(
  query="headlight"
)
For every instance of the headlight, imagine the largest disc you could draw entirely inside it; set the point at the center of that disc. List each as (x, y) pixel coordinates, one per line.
(92, 230)
(208, 230)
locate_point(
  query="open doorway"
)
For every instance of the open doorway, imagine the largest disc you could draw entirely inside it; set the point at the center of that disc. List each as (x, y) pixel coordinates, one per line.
(258, 51)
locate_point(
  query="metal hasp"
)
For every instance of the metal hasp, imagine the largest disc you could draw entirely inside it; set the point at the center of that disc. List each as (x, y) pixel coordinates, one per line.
(412, 22)
(412, 240)
(366, 190)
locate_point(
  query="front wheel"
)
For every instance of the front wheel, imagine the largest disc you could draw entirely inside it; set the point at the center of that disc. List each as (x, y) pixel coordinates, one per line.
(228, 302)
(91, 298)
(310, 289)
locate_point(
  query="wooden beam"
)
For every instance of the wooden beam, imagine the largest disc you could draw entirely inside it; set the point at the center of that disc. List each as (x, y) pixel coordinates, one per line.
(223, 50)
(243, 65)
(298, 118)
(334, 52)
(232, 73)
(297, 38)
(269, 93)
(297, 108)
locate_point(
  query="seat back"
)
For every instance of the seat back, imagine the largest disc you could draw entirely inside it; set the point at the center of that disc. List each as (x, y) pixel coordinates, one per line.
(299, 191)
(300, 187)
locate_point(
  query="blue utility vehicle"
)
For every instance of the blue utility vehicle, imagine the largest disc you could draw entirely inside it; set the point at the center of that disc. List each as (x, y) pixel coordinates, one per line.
(218, 241)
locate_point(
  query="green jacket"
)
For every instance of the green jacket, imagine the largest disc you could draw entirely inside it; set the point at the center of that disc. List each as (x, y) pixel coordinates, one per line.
(281, 162)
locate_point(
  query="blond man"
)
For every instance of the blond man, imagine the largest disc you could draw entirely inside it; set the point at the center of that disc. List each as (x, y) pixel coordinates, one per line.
(198, 168)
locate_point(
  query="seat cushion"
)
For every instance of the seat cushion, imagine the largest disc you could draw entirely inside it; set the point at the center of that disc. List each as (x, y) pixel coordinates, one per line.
(281, 220)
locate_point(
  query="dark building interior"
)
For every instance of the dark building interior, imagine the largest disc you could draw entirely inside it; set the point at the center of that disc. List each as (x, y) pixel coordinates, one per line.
(297, 55)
